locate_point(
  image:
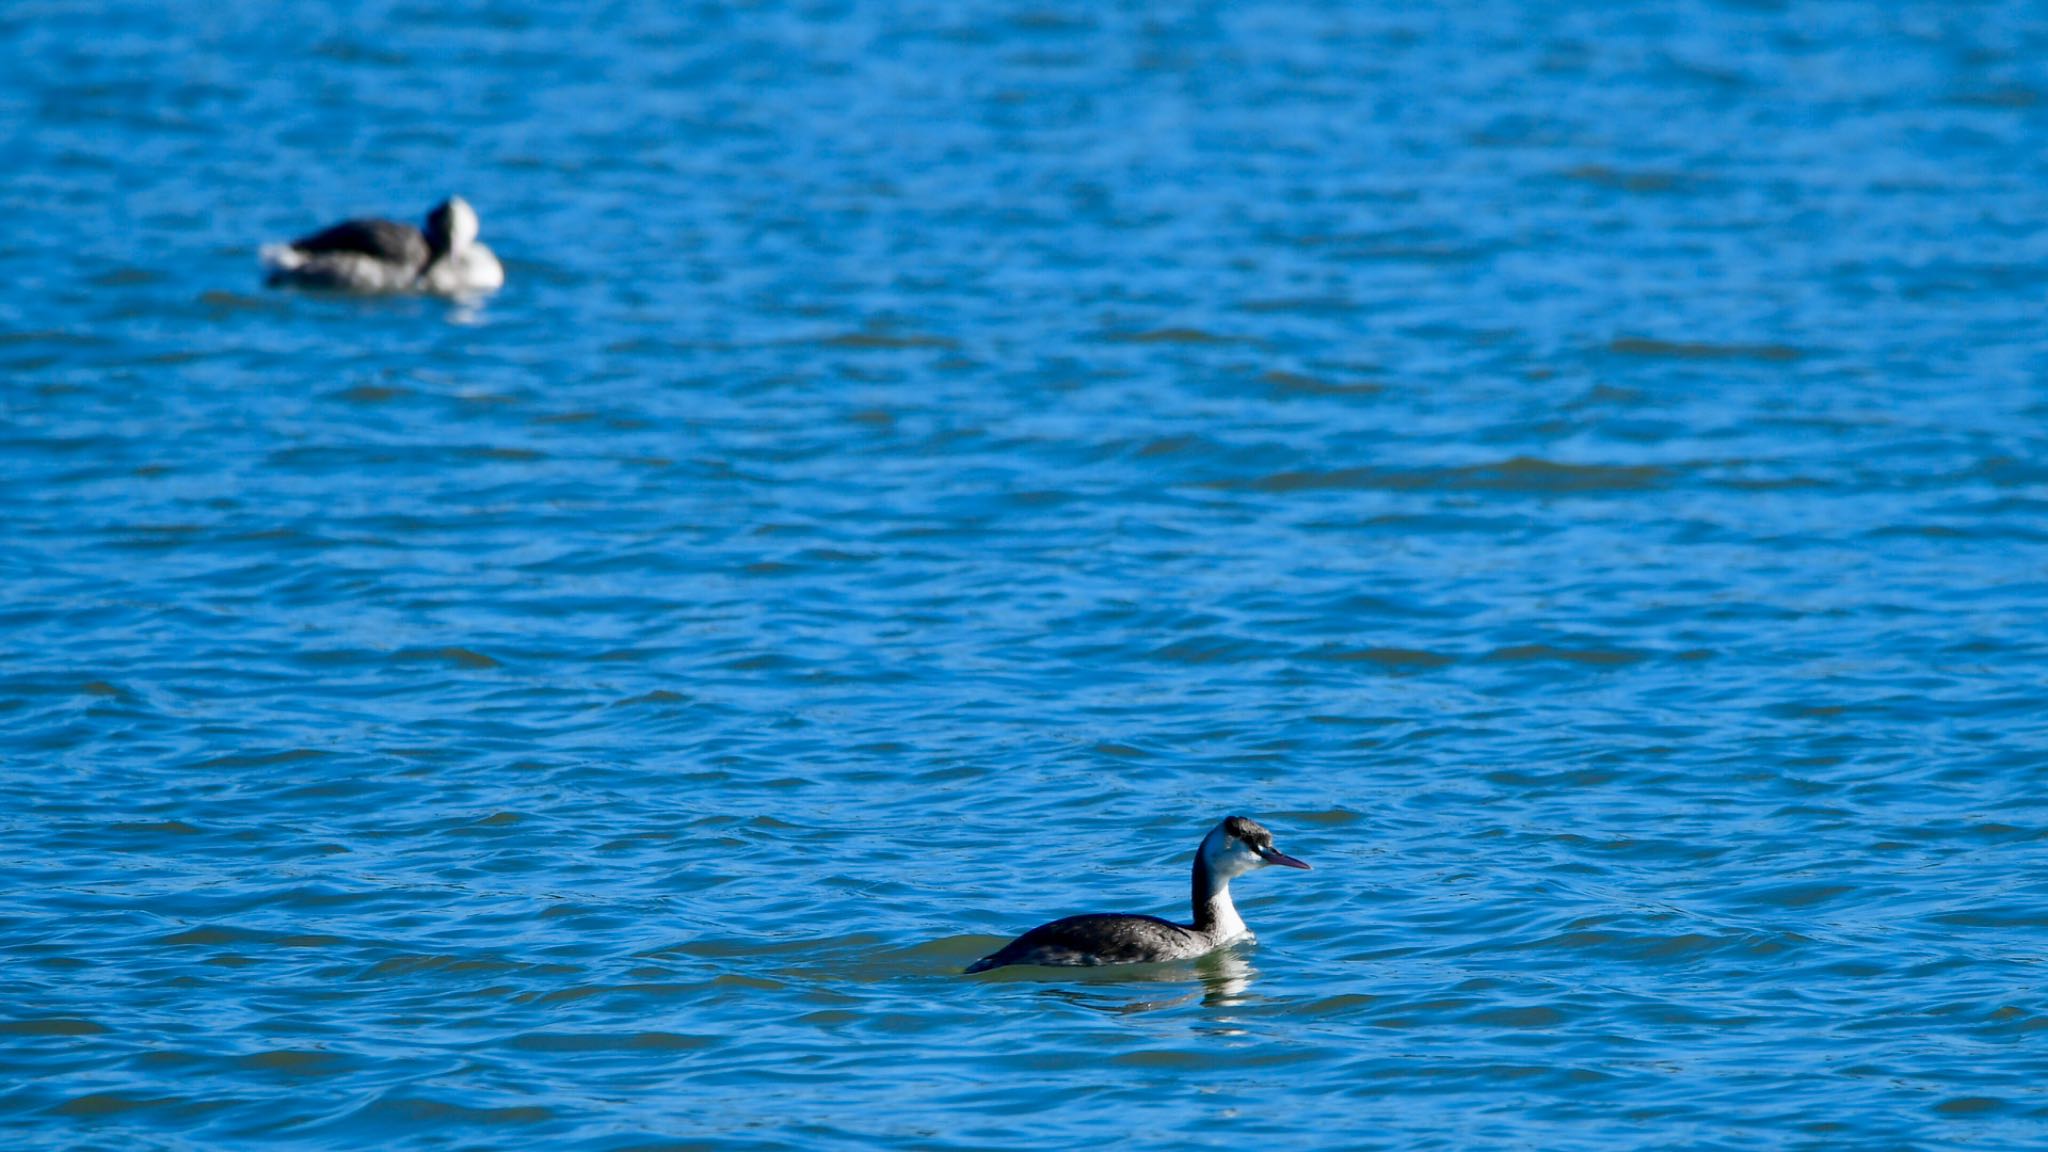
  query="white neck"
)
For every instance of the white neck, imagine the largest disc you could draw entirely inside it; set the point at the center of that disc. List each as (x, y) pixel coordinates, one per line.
(1215, 867)
(1225, 924)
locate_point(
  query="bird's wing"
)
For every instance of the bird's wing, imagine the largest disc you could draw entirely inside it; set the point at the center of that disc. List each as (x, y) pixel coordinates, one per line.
(381, 239)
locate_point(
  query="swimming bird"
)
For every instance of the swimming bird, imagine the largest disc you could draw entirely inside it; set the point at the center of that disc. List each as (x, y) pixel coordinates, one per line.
(1231, 849)
(384, 256)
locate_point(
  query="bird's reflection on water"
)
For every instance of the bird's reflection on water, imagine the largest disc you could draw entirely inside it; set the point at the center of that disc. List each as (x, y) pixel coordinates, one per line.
(1224, 977)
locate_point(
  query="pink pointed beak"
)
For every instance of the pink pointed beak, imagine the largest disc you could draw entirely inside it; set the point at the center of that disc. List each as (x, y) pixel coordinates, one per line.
(1276, 856)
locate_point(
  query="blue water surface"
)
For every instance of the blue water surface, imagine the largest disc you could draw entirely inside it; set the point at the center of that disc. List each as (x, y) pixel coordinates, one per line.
(1575, 471)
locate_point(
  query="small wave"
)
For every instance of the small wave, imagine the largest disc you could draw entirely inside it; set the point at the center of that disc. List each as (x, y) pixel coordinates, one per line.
(1689, 350)
(887, 341)
(1209, 649)
(659, 698)
(1392, 659)
(1174, 336)
(1300, 305)
(460, 657)
(413, 1110)
(1517, 474)
(1597, 657)
(1296, 384)
(160, 827)
(609, 1042)
(1970, 1106)
(297, 1062)
(53, 1026)
(1519, 1016)
(1601, 176)
(113, 1104)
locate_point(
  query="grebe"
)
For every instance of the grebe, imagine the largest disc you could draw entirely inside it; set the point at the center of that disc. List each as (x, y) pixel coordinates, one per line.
(384, 256)
(1231, 849)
